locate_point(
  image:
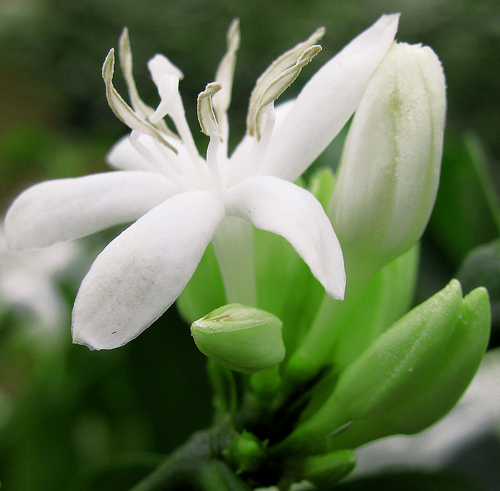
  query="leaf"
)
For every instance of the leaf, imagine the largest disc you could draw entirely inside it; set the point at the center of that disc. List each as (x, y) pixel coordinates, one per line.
(466, 213)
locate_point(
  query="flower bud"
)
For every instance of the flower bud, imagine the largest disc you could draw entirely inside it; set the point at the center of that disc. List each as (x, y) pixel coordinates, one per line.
(245, 339)
(324, 471)
(246, 452)
(441, 386)
(389, 170)
(387, 371)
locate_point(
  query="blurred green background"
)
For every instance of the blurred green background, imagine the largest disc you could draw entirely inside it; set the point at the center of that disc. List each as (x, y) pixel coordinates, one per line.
(74, 419)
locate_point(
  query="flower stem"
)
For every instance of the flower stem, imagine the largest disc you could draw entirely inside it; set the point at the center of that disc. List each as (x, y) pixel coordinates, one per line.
(196, 465)
(233, 245)
(316, 349)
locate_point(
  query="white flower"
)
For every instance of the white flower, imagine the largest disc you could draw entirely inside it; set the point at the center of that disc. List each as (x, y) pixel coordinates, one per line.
(180, 200)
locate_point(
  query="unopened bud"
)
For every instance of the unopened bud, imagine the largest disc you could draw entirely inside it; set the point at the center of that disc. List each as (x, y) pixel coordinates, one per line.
(245, 339)
(389, 171)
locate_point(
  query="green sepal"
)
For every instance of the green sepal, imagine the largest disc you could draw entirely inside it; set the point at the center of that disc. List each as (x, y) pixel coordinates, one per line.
(440, 388)
(388, 370)
(246, 453)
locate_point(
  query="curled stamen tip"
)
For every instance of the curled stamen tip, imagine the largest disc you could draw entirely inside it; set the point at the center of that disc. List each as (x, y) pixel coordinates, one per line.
(309, 54)
(206, 115)
(211, 88)
(108, 64)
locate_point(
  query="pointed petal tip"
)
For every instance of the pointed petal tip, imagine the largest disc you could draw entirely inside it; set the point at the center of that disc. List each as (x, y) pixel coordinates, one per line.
(389, 22)
(336, 289)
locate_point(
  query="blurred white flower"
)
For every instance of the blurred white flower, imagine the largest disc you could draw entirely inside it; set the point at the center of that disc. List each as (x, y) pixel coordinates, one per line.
(29, 281)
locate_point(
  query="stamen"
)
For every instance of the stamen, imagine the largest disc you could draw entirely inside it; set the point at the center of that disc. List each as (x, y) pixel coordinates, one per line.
(140, 107)
(166, 77)
(280, 84)
(122, 110)
(275, 71)
(208, 123)
(225, 72)
(205, 108)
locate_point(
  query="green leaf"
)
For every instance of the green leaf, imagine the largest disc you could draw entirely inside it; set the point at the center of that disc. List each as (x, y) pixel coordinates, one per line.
(466, 213)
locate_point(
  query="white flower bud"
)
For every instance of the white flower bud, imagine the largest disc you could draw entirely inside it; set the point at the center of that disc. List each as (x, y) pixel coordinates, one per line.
(245, 339)
(389, 171)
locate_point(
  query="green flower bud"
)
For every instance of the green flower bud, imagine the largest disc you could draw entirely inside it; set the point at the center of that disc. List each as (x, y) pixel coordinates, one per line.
(385, 187)
(387, 371)
(389, 171)
(326, 470)
(441, 386)
(246, 453)
(245, 339)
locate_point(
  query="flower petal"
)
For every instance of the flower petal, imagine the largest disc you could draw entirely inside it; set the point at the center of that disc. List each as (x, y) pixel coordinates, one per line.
(55, 211)
(147, 154)
(124, 156)
(327, 101)
(142, 272)
(288, 210)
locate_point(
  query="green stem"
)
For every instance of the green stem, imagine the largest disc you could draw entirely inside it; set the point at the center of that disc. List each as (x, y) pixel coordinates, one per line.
(233, 245)
(196, 465)
(315, 351)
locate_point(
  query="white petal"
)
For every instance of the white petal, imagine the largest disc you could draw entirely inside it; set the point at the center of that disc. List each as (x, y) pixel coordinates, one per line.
(288, 210)
(242, 164)
(143, 271)
(327, 102)
(55, 211)
(124, 156)
(154, 157)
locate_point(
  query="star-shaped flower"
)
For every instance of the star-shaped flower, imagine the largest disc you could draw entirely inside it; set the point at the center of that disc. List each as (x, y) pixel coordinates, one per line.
(180, 201)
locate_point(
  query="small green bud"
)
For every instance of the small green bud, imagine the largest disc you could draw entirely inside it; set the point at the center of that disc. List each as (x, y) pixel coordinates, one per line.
(246, 453)
(245, 339)
(326, 470)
